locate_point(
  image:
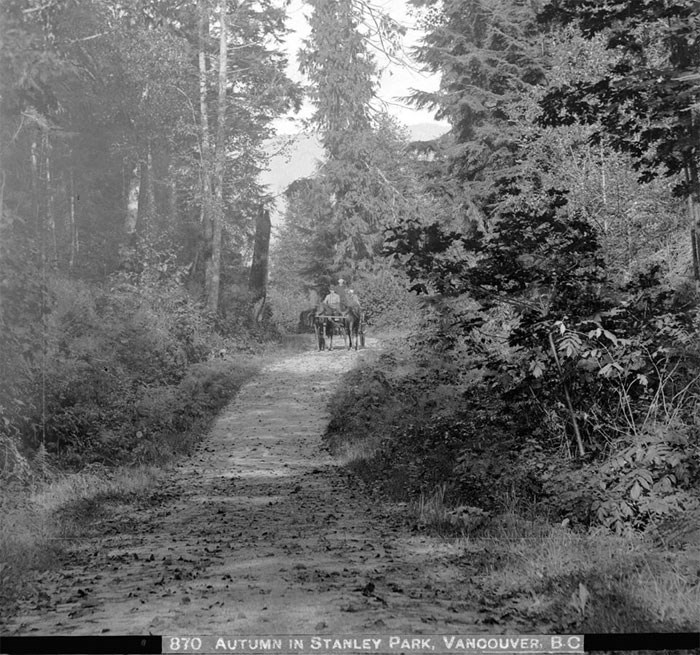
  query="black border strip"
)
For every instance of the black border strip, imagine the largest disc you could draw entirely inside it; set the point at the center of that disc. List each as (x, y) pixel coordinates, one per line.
(110, 644)
(642, 641)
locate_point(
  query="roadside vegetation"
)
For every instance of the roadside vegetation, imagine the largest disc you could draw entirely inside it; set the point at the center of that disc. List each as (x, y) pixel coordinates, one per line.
(433, 434)
(130, 378)
(130, 309)
(543, 411)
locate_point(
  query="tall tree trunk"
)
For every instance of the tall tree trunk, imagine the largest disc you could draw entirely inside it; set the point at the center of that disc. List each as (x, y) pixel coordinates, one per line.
(50, 202)
(2, 194)
(257, 282)
(36, 205)
(692, 178)
(5, 226)
(220, 161)
(203, 253)
(694, 212)
(172, 199)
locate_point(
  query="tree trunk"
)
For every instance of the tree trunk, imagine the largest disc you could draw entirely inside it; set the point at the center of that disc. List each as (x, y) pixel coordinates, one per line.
(2, 195)
(691, 172)
(172, 201)
(220, 161)
(50, 202)
(203, 253)
(694, 212)
(34, 160)
(257, 281)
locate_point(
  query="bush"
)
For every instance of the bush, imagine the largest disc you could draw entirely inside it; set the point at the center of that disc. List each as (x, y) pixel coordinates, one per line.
(385, 298)
(286, 307)
(122, 368)
(456, 413)
(399, 418)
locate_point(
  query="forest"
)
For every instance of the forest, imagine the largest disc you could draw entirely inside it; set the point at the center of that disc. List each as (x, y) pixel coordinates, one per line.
(530, 278)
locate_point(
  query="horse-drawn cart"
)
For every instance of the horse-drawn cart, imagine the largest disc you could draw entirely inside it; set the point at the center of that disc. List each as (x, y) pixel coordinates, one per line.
(350, 323)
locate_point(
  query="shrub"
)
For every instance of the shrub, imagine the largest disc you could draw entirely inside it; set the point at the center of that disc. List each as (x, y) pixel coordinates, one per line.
(116, 374)
(286, 306)
(385, 298)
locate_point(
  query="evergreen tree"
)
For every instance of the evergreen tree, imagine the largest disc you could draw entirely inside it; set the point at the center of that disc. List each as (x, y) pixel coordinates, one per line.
(342, 73)
(363, 146)
(488, 55)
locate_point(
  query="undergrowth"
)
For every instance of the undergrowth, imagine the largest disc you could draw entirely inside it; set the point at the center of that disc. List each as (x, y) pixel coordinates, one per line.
(118, 375)
(433, 429)
(114, 380)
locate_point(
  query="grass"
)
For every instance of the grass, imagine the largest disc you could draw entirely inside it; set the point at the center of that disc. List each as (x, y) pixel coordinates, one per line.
(590, 581)
(38, 519)
(593, 581)
(119, 483)
(204, 391)
(353, 454)
(573, 581)
(36, 522)
(25, 542)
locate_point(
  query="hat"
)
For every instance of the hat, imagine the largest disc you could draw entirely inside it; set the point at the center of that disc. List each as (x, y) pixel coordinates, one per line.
(341, 280)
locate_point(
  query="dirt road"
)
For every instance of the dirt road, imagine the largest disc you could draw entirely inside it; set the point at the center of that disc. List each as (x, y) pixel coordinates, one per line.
(260, 532)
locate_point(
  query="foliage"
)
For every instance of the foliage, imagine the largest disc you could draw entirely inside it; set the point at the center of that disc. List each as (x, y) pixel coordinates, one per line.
(327, 234)
(587, 356)
(286, 305)
(335, 219)
(487, 55)
(305, 249)
(100, 132)
(638, 485)
(643, 101)
(100, 214)
(404, 412)
(343, 79)
(125, 369)
(385, 300)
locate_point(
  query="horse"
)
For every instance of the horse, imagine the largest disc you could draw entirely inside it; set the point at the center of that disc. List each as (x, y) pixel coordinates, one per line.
(324, 326)
(352, 317)
(306, 320)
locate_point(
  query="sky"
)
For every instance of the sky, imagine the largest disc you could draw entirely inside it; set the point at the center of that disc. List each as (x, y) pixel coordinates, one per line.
(396, 80)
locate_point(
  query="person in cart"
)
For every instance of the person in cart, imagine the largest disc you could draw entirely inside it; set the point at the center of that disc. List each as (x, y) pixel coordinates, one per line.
(342, 291)
(351, 299)
(333, 300)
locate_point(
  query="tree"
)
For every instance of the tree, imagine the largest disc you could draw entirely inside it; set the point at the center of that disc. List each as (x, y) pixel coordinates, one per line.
(342, 72)
(257, 281)
(304, 253)
(251, 89)
(488, 54)
(646, 101)
(362, 176)
(217, 218)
